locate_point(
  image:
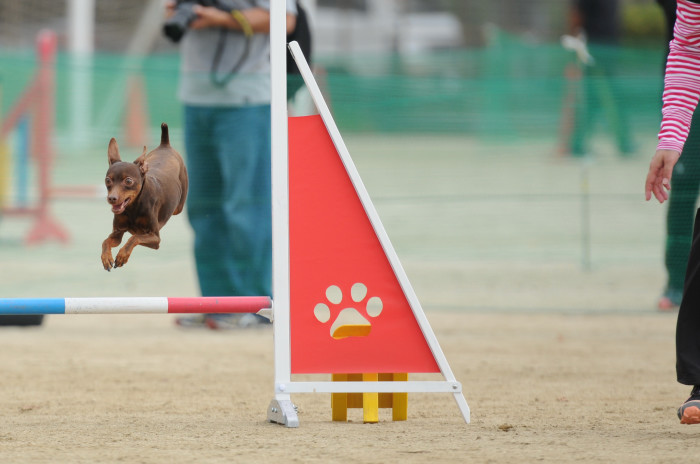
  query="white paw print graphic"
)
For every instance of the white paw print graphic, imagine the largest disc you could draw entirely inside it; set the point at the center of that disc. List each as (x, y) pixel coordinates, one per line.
(349, 322)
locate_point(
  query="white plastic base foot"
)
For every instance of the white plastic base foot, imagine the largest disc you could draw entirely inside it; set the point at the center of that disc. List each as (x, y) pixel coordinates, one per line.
(283, 412)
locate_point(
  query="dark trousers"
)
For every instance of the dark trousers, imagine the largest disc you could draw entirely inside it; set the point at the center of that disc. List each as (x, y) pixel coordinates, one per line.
(688, 325)
(602, 94)
(681, 208)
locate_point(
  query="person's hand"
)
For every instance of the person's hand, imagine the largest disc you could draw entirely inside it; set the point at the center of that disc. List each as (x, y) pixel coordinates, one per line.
(208, 16)
(659, 177)
(169, 9)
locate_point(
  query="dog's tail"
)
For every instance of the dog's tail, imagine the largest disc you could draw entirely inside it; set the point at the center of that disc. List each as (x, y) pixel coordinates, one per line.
(164, 137)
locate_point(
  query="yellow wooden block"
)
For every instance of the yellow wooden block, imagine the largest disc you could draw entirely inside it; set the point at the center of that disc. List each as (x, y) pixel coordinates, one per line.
(399, 409)
(386, 400)
(354, 399)
(370, 401)
(339, 401)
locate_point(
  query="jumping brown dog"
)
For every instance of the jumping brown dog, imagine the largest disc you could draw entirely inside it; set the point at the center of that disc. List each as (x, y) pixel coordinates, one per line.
(143, 194)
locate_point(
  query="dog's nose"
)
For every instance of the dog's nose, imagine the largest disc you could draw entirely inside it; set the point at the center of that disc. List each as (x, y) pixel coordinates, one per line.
(112, 199)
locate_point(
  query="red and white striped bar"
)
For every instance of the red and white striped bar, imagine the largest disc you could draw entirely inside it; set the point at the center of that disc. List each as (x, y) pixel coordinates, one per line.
(137, 305)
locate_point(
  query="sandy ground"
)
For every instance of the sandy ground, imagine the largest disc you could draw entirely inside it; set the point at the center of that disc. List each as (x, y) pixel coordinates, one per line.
(541, 387)
(550, 327)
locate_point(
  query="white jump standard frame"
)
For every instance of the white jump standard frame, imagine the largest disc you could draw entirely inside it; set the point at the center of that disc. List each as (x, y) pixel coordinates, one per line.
(281, 409)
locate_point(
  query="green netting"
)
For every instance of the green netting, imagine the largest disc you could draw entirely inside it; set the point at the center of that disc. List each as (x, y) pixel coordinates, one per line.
(510, 89)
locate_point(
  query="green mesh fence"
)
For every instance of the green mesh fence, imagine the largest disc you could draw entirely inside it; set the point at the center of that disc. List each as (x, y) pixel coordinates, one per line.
(509, 89)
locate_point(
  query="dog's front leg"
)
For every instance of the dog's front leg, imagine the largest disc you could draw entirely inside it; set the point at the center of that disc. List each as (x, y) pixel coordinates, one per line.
(148, 240)
(113, 240)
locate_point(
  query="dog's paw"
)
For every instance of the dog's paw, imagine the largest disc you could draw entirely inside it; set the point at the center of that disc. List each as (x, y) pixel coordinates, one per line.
(122, 258)
(107, 261)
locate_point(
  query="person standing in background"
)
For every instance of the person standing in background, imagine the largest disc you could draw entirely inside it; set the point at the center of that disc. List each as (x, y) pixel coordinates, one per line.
(599, 21)
(225, 88)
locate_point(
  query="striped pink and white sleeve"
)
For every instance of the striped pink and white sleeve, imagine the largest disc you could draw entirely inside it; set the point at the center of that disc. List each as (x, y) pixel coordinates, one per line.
(682, 81)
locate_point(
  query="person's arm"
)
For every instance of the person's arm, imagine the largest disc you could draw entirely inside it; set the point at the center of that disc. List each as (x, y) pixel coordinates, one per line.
(575, 25)
(680, 98)
(257, 18)
(682, 81)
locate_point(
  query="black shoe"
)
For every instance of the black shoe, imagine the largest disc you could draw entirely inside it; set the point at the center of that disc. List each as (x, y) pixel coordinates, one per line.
(689, 412)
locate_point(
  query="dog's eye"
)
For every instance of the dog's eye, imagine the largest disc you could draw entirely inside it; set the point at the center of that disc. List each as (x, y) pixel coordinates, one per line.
(129, 181)
(108, 181)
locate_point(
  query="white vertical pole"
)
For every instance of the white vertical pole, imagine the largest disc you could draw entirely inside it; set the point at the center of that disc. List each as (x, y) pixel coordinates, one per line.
(281, 409)
(81, 20)
(81, 43)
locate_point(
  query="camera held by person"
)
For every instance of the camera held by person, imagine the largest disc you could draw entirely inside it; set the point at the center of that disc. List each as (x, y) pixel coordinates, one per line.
(176, 26)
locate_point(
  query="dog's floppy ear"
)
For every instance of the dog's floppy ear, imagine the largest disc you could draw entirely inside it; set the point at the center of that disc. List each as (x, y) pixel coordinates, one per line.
(113, 152)
(141, 162)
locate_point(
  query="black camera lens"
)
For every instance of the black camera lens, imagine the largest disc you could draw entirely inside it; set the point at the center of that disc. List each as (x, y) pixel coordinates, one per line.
(175, 27)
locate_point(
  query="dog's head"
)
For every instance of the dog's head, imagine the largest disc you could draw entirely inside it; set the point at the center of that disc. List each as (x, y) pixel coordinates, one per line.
(124, 180)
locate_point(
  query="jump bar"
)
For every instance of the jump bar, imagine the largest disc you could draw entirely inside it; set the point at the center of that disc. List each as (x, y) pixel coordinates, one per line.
(135, 305)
